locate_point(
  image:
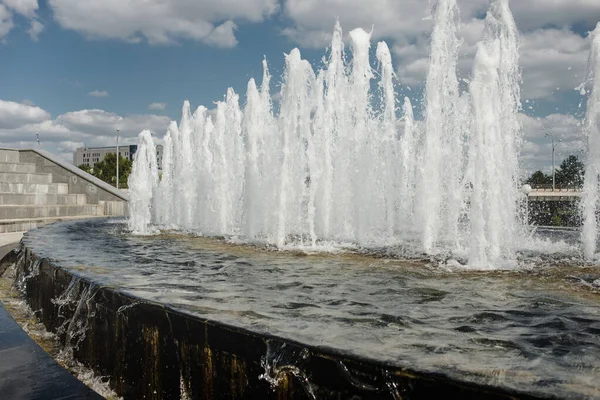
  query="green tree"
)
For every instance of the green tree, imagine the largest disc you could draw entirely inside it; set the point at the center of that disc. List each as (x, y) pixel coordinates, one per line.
(106, 170)
(86, 168)
(539, 178)
(570, 172)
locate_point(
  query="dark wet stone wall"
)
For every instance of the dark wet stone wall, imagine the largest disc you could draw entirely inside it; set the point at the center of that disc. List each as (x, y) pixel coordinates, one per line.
(150, 351)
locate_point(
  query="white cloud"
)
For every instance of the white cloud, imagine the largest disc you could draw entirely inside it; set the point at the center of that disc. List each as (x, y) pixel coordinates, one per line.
(6, 22)
(14, 115)
(552, 60)
(26, 8)
(161, 21)
(549, 46)
(35, 29)
(103, 123)
(536, 153)
(71, 130)
(222, 35)
(98, 93)
(157, 106)
(531, 15)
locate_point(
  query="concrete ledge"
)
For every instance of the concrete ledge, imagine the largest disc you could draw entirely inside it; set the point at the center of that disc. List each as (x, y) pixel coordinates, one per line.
(11, 237)
(26, 224)
(16, 177)
(46, 162)
(8, 212)
(32, 188)
(153, 351)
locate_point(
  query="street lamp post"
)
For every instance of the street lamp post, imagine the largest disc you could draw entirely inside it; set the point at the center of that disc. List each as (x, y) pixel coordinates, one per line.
(553, 168)
(118, 130)
(526, 189)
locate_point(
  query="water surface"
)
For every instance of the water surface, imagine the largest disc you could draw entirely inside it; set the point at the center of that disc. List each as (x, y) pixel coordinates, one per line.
(536, 329)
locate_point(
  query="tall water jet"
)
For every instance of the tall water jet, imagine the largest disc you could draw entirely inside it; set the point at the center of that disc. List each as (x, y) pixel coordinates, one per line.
(389, 169)
(493, 148)
(443, 161)
(142, 185)
(163, 200)
(295, 117)
(409, 162)
(591, 189)
(333, 164)
(329, 129)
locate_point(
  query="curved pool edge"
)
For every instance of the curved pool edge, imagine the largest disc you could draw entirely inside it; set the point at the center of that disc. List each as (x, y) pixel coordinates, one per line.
(150, 350)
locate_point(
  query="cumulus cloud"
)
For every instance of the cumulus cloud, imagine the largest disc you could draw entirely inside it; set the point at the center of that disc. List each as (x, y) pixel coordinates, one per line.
(35, 29)
(14, 115)
(549, 45)
(536, 153)
(25, 8)
(222, 35)
(98, 93)
(161, 21)
(19, 124)
(6, 21)
(552, 60)
(157, 106)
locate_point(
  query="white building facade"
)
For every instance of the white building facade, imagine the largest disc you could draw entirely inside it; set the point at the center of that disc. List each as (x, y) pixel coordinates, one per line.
(90, 156)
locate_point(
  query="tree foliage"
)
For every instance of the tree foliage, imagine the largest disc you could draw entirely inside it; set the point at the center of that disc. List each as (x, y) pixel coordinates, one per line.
(106, 170)
(569, 173)
(539, 178)
(85, 168)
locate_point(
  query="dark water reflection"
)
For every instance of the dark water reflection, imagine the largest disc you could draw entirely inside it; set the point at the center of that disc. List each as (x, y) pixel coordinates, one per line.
(536, 330)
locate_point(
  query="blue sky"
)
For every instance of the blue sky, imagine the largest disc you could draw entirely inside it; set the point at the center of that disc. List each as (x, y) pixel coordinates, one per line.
(71, 67)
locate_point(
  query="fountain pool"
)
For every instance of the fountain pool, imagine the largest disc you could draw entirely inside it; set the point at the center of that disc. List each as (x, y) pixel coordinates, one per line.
(534, 330)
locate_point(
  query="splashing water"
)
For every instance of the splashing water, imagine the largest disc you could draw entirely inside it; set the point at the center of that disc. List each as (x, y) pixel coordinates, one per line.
(336, 163)
(591, 189)
(142, 184)
(494, 140)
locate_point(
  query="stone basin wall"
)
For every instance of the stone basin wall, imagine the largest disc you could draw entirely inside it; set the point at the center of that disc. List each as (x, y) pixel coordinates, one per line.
(150, 351)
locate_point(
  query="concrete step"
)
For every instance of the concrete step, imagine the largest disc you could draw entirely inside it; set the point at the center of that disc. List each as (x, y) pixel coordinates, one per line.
(23, 225)
(42, 199)
(9, 156)
(52, 188)
(20, 168)
(15, 177)
(45, 211)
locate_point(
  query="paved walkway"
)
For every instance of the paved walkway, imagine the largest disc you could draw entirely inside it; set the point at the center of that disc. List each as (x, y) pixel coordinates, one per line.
(27, 372)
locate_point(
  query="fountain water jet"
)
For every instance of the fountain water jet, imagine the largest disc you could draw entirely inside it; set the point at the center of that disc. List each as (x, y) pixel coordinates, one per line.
(329, 166)
(439, 192)
(142, 184)
(493, 165)
(591, 189)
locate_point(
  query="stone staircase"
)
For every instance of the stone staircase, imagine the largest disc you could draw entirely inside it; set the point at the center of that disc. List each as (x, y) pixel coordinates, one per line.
(37, 189)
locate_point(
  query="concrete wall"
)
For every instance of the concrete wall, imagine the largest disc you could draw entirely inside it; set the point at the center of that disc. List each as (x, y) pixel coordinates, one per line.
(79, 181)
(37, 188)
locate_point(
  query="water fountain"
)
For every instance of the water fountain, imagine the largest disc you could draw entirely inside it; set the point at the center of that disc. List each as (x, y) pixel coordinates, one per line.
(591, 189)
(332, 167)
(331, 246)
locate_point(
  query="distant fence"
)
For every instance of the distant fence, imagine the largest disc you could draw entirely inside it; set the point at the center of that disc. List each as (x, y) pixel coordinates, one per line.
(548, 186)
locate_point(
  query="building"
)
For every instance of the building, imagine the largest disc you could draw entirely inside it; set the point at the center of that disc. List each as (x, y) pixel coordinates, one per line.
(89, 156)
